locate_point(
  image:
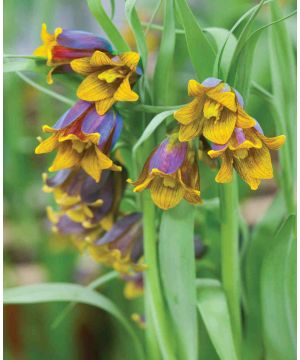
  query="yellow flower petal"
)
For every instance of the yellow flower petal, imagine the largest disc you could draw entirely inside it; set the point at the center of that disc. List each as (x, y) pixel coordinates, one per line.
(47, 145)
(83, 66)
(166, 197)
(99, 58)
(259, 163)
(190, 112)
(93, 89)
(130, 59)
(212, 109)
(190, 131)
(220, 131)
(66, 157)
(226, 99)
(244, 121)
(102, 106)
(243, 170)
(195, 88)
(110, 75)
(124, 92)
(273, 143)
(225, 173)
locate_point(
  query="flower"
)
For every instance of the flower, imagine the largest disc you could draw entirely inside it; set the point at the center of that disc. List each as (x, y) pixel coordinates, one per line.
(83, 138)
(171, 174)
(108, 79)
(86, 208)
(122, 246)
(215, 111)
(64, 45)
(248, 152)
(134, 285)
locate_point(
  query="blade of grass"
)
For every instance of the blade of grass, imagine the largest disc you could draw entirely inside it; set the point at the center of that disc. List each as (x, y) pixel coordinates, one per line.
(200, 50)
(107, 25)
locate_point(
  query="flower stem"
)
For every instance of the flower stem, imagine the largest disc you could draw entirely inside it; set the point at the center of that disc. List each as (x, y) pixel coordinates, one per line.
(153, 287)
(230, 256)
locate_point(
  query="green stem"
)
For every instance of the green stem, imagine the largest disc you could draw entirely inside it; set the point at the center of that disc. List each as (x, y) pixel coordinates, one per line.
(154, 293)
(230, 265)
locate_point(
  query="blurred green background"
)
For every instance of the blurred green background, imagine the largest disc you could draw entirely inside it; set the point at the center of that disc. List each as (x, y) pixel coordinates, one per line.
(31, 253)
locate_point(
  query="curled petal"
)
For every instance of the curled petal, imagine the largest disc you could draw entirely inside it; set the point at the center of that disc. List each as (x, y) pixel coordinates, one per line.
(244, 121)
(243, 170)
(195, 88)
(192, 130)
(102, 106)
(273, 143)
(190, 112)
(65, 158)
(47, 145)
(93, 89)
(166, 192)
(124, 92)
(225, 173)
(130, 59)
(219, 131)
(226, 99)
(83, 66)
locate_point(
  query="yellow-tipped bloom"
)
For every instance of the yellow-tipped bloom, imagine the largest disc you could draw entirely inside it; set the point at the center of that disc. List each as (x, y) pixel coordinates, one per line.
(108, 79)
(248, 152)
(171, 174)
(215, 111)
(64, 45)
(83, 138)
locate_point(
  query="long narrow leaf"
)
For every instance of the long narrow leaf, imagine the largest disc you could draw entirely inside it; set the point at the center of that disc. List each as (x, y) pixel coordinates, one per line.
(177, 264)
(214, 311)
(107, 25)
(43, 293)
(201, 52)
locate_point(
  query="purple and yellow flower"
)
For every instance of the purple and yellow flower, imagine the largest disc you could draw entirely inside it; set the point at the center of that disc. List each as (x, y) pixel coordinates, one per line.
(83, 138)
(64, 45)
(171, 174)
(134, 285)
(122, 246)
(248, 152)
(86, 208)
(215, 111)
(107, 79)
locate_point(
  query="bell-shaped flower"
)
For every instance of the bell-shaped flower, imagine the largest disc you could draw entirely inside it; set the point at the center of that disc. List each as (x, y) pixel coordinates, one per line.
(107, 79)
(65, 45)
(122, 246)
(248, 152)
(83, 138)
(215, 111)
(171, 173)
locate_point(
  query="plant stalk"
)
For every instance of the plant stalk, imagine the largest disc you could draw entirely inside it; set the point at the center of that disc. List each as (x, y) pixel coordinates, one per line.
(230, 265)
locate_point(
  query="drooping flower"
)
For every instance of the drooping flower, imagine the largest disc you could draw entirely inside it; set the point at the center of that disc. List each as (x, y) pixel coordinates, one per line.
(122, 246)
(215, 111)
(108, 79)
(248, 152)
(83, 138)
(64, 45)
(86, 208)
(171, 174)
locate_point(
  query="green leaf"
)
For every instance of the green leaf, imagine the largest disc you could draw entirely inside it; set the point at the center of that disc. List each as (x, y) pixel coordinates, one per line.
(137, 30)
(240, 68)
(163, 68)
(46, 91)
(278, 295)
(219, 37)
(177, 267)
(283, 76)
(214, 311)
(43, 293)
(261, 242)
(17, 63)
(107, 25)
(151, 127)
(201, 52)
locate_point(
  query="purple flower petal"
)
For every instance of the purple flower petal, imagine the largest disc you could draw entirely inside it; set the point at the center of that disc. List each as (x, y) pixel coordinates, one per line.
(83, 40)
(258, 127)
(240, 136)
(102, 124)
(168, 157)
(60, 177)
(72, 114)
(118, 129)
(211, 82)
(239, 98)
(119, 228)
(91, 190)
(67, 226)
(217, 147)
